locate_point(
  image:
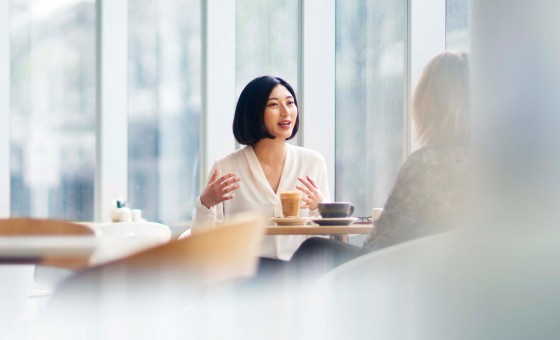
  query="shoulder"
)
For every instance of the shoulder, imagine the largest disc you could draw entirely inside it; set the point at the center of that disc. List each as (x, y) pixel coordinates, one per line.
(233, 157)
(305, 153)
(437, 156)
(430, 161)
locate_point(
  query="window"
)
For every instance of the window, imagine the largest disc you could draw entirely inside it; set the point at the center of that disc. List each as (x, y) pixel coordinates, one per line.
(370, 55)
(267, 35)
(52, 119)
(164, 108)
(457, 25)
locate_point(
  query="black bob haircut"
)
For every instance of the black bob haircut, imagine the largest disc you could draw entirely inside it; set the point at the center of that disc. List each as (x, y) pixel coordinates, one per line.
(248, 123)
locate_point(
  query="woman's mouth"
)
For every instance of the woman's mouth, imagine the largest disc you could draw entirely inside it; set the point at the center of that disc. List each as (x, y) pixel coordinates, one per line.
(285, 124)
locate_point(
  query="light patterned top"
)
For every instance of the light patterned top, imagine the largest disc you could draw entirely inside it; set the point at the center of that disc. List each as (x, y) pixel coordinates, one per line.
(429, 196)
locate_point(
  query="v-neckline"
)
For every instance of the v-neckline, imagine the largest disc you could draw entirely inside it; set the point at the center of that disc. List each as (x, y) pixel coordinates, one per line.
(260, 172)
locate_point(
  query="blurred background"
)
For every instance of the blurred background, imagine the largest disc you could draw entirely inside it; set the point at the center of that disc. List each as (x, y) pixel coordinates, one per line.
(54, 100)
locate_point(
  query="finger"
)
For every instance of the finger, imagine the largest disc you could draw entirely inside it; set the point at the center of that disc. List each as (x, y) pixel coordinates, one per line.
(230, 188)
(306, 201)
(312, 182)
(214, 176)
(306, 183)
(229, 181)
(304, 190)
(228, 197)
(225, 177)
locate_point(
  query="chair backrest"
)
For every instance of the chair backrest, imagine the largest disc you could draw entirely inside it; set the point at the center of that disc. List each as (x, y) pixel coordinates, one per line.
(226, 252)
(217, 255)
(34, 227)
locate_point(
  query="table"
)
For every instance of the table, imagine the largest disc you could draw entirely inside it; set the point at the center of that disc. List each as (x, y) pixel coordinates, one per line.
(111, 241)
(339, 232)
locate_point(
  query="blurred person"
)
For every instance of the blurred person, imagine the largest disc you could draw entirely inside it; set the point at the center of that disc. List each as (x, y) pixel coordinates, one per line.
(249, 179)
(431, 191)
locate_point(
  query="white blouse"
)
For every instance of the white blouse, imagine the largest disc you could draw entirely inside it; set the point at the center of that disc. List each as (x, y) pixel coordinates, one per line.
(256, 195)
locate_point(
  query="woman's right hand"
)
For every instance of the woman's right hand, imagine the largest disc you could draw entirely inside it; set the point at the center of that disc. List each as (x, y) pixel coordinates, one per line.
(219, 189)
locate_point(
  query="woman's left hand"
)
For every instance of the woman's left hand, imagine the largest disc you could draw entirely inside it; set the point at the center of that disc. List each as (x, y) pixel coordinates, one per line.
(310, 188)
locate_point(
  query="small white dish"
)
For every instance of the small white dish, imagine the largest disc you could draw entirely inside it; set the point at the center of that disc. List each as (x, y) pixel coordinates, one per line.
(334, 221)
(290, 220)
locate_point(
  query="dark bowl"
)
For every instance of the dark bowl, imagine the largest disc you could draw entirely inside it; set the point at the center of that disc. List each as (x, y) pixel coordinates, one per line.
(335, 209)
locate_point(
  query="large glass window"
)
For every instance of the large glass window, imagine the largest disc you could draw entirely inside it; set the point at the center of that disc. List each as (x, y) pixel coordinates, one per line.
(370, 55)
(52, 104)
(457, 25)
(164, 107)
(267, 35)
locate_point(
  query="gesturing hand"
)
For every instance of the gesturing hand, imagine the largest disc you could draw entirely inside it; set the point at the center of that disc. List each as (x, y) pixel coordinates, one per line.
(310, 188)
(218, 189)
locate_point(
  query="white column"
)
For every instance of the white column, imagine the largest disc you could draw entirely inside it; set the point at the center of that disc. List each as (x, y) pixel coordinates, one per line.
(112, 109)
(218, 82)
(426, 38)
(317, 72)
(4, 108)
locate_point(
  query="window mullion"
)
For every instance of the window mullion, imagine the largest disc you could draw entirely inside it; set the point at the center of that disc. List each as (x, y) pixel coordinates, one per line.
(112, 107)
(4, 108)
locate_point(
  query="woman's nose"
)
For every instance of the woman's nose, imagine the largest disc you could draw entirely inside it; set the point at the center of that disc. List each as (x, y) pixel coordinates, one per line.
(284, 110)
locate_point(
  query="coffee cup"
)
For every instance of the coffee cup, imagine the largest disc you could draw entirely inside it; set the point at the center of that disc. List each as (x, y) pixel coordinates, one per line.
(335, 209)
(375, 213)
(291, 201)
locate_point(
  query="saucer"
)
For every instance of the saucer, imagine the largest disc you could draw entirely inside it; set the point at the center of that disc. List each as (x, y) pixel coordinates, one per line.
(290, 220)
(334, 221)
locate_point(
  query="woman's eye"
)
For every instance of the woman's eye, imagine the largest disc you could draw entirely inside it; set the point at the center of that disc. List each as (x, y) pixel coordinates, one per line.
(291, 102)
(272, 104)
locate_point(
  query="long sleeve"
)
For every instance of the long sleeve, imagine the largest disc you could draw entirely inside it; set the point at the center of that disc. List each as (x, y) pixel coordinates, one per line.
(204, 217)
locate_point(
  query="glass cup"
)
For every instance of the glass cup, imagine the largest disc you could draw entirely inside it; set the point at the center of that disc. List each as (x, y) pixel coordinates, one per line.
(291, 201)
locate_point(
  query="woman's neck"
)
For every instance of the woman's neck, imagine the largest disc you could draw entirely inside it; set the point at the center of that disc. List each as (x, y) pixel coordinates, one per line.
(270, 151)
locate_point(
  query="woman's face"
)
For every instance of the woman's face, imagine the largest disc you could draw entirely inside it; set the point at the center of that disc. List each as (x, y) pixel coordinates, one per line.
(280, 113)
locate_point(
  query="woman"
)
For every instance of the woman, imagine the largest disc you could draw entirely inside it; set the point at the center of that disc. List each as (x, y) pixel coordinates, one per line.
(430, 194)
(250, 178)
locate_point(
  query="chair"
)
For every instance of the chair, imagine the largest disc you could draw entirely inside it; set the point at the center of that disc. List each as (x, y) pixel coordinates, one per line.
(471, 284)
(163, 280)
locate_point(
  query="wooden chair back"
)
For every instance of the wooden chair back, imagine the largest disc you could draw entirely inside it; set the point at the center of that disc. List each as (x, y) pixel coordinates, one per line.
(226, 252)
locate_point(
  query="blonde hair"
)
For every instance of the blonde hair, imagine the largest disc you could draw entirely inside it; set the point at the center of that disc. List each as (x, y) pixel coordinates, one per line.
(441, 102)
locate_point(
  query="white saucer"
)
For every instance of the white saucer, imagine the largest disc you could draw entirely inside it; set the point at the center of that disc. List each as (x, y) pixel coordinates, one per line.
(334, 221)
(290, 220)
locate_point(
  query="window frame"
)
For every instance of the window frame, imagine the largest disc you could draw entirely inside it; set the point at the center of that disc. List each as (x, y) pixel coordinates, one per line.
(316, 85)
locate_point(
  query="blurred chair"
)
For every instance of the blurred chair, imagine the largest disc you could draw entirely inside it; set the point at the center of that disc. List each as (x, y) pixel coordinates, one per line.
(471, 284)
(136, 291)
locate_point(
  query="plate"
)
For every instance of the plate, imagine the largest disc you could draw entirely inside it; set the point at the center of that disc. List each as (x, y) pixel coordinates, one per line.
(334, 221)
(290, 220)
